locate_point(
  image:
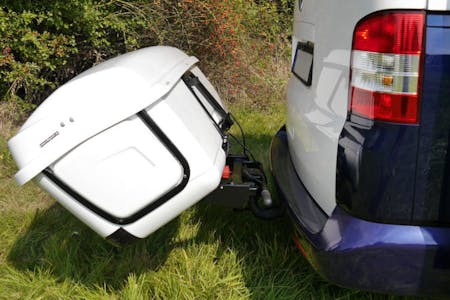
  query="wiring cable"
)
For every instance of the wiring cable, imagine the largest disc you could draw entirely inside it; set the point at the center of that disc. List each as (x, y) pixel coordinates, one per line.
(242, 143)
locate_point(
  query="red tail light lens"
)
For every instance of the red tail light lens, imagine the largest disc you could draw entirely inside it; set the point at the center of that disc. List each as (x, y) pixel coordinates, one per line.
(385, 106)
(386, 57)
(391, 32)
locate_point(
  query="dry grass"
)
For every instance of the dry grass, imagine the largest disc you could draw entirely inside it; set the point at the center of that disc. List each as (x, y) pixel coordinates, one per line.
(257, 79)
(8, 119)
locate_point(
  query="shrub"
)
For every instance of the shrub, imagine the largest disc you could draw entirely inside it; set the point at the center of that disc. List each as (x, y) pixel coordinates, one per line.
(45, 43)
(242, 45)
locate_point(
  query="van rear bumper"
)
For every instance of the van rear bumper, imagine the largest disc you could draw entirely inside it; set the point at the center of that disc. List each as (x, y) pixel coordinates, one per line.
(401, 259)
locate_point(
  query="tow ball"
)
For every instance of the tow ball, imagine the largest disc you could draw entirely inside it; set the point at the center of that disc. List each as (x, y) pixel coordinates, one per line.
(244, 186)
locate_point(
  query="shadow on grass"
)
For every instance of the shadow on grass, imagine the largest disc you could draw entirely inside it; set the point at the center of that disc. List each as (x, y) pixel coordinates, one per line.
(59, 243)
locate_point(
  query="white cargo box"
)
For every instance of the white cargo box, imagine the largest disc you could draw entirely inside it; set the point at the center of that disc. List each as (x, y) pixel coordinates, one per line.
(129, 144)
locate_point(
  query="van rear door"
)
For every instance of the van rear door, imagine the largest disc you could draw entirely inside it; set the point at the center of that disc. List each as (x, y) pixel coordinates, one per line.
(432, 193)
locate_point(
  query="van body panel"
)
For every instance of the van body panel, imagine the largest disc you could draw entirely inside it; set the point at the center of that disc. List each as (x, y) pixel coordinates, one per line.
(438, 4)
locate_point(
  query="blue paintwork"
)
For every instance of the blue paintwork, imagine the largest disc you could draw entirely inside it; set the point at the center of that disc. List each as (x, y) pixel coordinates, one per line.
(376, 167)
(438, 20)
(432, 195)
(388, 258)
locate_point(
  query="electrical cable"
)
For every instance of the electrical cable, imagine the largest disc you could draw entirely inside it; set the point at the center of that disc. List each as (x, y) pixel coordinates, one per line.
(244, 142)
(244, 147)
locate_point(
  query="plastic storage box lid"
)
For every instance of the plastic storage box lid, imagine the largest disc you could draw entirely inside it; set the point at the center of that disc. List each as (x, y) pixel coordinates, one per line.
(94, 101)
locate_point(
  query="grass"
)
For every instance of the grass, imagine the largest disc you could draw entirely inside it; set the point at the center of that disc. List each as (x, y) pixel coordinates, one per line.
(206, 253)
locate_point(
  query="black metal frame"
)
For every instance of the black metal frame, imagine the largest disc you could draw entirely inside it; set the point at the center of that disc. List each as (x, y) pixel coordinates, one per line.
(193, 81)
(144, 116)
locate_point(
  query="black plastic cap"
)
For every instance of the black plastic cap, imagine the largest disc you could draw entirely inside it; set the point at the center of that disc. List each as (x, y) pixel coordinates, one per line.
(121, 237)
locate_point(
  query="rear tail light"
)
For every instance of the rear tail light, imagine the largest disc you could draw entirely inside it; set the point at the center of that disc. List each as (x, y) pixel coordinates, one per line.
(386, 64)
